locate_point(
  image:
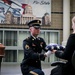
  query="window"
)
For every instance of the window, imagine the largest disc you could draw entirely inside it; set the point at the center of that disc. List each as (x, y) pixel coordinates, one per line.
(10, 56)
(1, 37)
(10, 38)
(20, 55)
(13, 40)
(22, 35)
(50, 37)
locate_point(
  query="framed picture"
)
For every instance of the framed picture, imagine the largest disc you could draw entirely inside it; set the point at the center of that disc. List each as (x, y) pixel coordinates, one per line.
(23, 11)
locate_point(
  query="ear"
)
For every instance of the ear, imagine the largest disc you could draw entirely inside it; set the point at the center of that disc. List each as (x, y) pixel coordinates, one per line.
(30, 28)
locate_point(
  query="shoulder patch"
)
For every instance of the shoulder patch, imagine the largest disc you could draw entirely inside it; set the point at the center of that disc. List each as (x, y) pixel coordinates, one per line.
(27, 47)
(27, 38)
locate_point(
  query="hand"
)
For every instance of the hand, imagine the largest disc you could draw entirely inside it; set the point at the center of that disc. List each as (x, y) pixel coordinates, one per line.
(45, 55)
(48, 53)
(53, 51)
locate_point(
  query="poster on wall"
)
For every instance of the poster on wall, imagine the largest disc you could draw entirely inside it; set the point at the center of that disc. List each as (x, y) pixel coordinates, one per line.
(23, 11)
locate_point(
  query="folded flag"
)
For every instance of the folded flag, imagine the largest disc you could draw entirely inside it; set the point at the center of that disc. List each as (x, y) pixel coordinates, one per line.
(53, 46)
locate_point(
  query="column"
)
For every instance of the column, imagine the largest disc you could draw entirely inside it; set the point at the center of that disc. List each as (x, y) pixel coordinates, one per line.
(66, 21)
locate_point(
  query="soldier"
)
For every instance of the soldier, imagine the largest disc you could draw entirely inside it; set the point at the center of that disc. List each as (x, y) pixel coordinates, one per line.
(33, 46)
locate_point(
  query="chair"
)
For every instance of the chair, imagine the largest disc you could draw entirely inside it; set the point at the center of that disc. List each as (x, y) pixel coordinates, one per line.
(56, 63)
(61, 63)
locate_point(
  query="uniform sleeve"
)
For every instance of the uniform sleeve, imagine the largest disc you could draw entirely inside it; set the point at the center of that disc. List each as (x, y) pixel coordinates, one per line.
(28, 52)
(70, 47)
(44, 45)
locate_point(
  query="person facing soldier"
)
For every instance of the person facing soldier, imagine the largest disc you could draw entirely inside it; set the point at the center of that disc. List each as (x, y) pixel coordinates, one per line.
(68, 68)
(33, 47)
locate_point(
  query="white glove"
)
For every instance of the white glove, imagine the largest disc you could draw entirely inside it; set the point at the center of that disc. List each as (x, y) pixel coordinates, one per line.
(48, 53)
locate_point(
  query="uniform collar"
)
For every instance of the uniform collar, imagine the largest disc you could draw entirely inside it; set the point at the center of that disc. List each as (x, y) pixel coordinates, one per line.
(34, 37)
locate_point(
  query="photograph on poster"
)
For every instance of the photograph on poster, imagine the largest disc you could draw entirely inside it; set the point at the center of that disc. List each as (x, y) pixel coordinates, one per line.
(23, 11)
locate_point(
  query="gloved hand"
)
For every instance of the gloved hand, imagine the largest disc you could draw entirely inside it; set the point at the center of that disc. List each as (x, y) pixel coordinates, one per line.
(42, 57)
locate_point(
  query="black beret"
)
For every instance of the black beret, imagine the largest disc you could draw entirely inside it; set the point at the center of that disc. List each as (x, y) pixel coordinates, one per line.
(34, 23)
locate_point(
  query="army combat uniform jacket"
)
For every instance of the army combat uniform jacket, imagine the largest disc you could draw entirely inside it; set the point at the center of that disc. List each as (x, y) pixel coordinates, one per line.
(32, 53)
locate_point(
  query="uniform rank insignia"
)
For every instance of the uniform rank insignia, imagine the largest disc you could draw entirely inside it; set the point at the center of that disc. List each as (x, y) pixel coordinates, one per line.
(27, 47)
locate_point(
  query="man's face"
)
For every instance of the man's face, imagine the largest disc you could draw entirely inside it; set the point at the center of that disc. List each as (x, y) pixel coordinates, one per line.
(34, 31)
